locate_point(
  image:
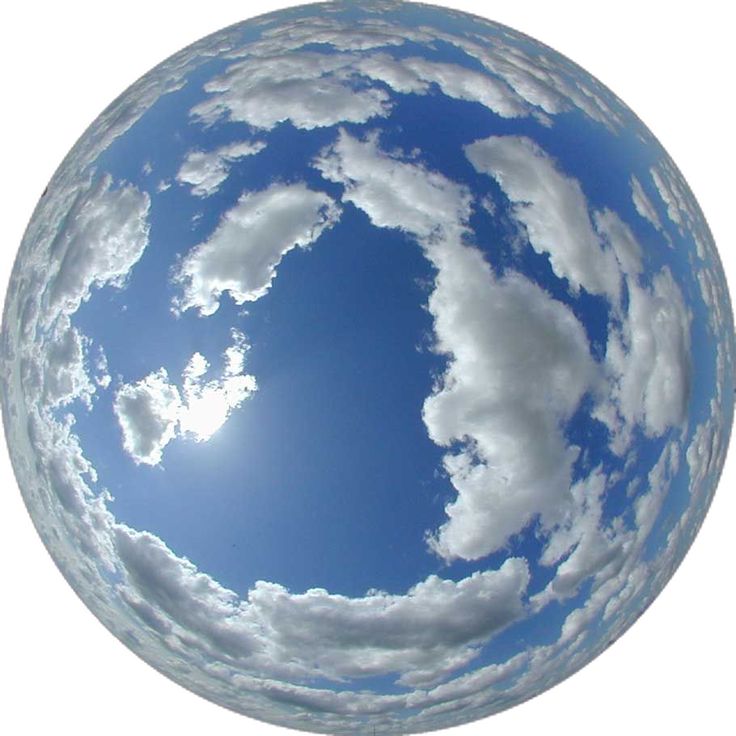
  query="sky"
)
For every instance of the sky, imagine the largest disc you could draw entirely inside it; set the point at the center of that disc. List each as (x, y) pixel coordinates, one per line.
(616, 87)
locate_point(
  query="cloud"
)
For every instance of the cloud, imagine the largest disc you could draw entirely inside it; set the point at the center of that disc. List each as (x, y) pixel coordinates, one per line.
(242, 255)
(105, 236)
(153, 411)
(148, 412)
(206, 170)
(706, 452)
(361, 35)
(682, 208)
(621, 575)
(415, 75)
(274, 632)
(546, 81)
(275, 79)
(618, 236)
(392, 193)
(510, 382)
(647, 354)
(648, 362)
(714, 292)
(310, 90)
(643, 204)
(103, 378)
(553, 209)
(671, 192)
(581, 545)
(206, 405)
(63, 366)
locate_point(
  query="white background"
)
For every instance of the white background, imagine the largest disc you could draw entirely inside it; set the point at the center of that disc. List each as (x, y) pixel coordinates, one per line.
(60, 65)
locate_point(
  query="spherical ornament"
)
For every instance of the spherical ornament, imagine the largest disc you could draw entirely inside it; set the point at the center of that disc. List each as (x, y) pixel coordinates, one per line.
(367, 367)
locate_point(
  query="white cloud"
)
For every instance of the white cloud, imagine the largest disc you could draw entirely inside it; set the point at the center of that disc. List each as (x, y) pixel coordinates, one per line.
(394, 194)
(553, 209)
(153, 411)
(206, 170)
(519, 366)
(621, 575)
(242, 255)
(580, 546)
(103, 378)
(360, 35)
(647, 356)
(553, 85)
(148, 412)
(274, 632)
(511, 380)
(617, 234)
(611, 553)
(706, 452)
(671, 192)
(643, 204)
(714, 291)
(206, 405)
(63, 366)
(105, 236)
(648, 361)
(682, 209)
(278, 80)
(315, 89)
(309, 89)
(415, 75)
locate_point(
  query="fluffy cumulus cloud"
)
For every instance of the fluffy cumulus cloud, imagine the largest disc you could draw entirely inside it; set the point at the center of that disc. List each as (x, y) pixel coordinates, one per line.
(148, 413)
(643, 204)
(204, 171)
(513, 80)
(618, 236)
(648, 362)
(105, 236)
(153, 411)
(62, 365)
(395, 194)
(510, 383)
(620, 585)
(242, 255)
(309, 89)
(647, 356)
(672, 192)
(416, 75)
(580, 546)
(552, 85)
(553, 209)
(682, 209)
(714, 291)
(361, 36)
(275, 78)
(705, 454)
(434, 627)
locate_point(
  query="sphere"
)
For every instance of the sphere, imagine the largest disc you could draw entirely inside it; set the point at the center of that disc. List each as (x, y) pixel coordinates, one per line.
(367, 367)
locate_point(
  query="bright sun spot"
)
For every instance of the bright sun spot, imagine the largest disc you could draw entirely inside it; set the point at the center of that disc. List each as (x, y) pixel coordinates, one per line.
(204, 414)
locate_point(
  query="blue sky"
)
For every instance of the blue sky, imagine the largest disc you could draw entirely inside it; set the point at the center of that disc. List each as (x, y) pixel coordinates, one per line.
(334, 436)
(346, 291)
